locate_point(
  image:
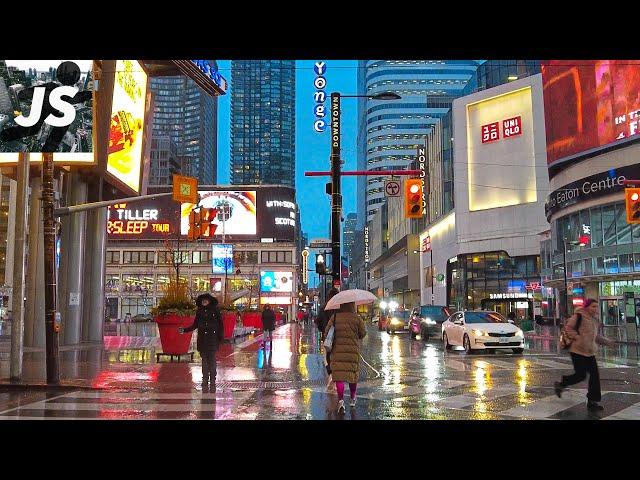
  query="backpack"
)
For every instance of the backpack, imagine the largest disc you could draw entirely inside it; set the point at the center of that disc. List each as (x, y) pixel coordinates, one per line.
(565, 341)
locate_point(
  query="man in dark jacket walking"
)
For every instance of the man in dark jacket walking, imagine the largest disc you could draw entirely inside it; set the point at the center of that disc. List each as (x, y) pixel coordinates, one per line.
(268, 324)
(210, 328)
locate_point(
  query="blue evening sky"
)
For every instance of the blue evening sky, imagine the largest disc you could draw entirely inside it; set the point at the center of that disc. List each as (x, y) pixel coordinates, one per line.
(312, 149)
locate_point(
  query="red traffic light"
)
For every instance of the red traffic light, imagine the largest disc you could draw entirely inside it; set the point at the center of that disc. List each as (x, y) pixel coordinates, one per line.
(413, 198)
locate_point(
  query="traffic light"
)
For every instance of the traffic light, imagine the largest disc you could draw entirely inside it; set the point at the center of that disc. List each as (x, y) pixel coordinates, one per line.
(321, 267)
(194, 226)
(207, 216)
(413, 198)
(632, 199)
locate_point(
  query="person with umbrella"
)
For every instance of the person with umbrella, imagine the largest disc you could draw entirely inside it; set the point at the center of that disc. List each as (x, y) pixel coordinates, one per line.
(349, 330)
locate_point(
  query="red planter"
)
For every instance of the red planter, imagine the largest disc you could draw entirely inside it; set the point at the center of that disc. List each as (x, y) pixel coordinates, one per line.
(172, 342)
(229, 322)
(252, 319)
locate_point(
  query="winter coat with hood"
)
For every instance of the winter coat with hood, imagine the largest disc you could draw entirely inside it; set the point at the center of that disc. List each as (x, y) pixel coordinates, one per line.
(209, 324)
(268, 319)
(345, 354)
(585, 339)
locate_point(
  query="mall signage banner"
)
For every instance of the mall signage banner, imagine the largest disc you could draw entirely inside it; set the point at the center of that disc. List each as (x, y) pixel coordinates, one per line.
(593, 186)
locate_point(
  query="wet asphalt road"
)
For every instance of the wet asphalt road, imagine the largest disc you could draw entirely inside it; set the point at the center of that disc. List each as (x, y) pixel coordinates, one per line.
(400, 378)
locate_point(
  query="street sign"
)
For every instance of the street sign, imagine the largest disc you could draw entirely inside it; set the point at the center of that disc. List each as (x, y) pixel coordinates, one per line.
(392, 188)
(320, 243)
(185, 189)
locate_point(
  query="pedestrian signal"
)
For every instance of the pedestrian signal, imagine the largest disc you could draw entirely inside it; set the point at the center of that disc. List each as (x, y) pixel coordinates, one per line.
(413, 198)
(194, 226)
(632, 200)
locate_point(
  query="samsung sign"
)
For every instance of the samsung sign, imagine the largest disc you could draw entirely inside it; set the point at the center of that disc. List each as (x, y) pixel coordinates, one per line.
(594, 186)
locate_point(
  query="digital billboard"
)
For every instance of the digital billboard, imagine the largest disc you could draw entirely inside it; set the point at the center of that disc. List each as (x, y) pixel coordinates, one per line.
(46, 106)
(277, 213)
(149, 220)
(126, 128)
(222, 258)
(237, 212)
(271, 281)
(589, 104)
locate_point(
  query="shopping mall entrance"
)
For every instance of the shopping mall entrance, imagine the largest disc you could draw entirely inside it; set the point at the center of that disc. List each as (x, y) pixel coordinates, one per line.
(522, 308)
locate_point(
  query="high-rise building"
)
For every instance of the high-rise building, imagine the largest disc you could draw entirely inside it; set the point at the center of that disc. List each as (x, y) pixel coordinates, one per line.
(164, 161)
(391, 131)
(497, 72)
(263, 96)
(349, 234)
(188, 116)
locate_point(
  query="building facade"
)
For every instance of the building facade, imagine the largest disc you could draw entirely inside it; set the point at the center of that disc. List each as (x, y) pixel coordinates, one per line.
(485, 252)
(164, 161)
(188, 116)
(497, 72)
(263, 118)
(587, 170)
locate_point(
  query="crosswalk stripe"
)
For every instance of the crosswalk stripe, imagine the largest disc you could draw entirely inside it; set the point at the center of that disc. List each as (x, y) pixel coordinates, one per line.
(467, 399)
(547, 406)
(141, 407)
(551, 364)
(629, 413)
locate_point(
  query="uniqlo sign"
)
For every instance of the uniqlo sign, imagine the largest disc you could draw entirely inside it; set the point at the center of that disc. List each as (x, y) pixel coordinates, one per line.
(512, 127)
(490, 132)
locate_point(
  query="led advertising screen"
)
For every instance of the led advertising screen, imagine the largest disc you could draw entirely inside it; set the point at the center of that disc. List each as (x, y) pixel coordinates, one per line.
(148, 220)
(277, 213)
(589, 104)
(236, 216)
(222, 258)
(126, 127)
(276, 281)
(46, 106)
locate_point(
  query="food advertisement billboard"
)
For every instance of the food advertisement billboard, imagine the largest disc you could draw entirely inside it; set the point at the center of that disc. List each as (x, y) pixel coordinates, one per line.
(237, 212)
(271, 281)
(47, 106)
(589, 104)
(126, 128)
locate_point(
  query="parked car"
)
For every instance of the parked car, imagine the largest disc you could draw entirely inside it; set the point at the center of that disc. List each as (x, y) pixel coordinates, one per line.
(142, 318)
(481, 330)
(398, 320)
(427, 320)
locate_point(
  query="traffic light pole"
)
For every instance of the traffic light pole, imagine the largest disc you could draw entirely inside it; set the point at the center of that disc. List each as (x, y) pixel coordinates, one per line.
(566, 288)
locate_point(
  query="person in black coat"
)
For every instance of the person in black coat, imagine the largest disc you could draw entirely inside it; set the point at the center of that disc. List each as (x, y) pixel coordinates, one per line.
(208, 321)
(268, 324)
(323, 319)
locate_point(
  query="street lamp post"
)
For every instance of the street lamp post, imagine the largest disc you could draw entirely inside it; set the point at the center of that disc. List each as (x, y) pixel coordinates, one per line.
(336, 175)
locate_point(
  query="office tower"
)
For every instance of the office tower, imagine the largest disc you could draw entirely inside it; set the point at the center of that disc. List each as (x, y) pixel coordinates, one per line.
(349, 234)
(391, 131)
(164, 161)
(263, 122)
(188, 116)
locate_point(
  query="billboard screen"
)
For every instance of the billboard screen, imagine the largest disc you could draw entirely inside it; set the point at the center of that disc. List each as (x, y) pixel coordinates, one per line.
(277, 213)
(589, 104)
(237, 210)
(46, 106)
(222, 258)
(151, 219)
(126, 127)
(276, 281)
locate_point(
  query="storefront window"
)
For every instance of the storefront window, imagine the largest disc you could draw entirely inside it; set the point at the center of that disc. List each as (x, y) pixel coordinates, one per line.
(112, 283)
(611, 264)
(636, 260)
(137, 283)
(625, 262)
(599, 270)
(622, 227)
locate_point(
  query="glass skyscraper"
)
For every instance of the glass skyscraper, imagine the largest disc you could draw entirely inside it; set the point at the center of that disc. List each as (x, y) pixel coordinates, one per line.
(187, 115)
(263, 96)
(389, 132)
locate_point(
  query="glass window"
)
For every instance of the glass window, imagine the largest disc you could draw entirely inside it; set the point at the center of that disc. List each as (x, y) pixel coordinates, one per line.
(611, 264)
(625, 262)
(483, 317)
(599, 262)
(623, 228)
(113, 257)
(588, 266)
(112, 283)
(636, 261)
(596, 227)
(609, 225)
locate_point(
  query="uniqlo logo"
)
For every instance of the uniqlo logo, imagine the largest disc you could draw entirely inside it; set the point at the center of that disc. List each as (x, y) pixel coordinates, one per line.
(512, 127)
(490, 132)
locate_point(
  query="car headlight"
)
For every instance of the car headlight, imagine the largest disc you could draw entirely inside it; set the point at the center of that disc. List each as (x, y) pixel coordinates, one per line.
(428, 321)
(480, 333)
(519, 333)
(395, 321)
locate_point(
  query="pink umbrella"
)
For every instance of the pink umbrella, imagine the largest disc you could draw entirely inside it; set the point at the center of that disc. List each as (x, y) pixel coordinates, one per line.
(359, 297)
